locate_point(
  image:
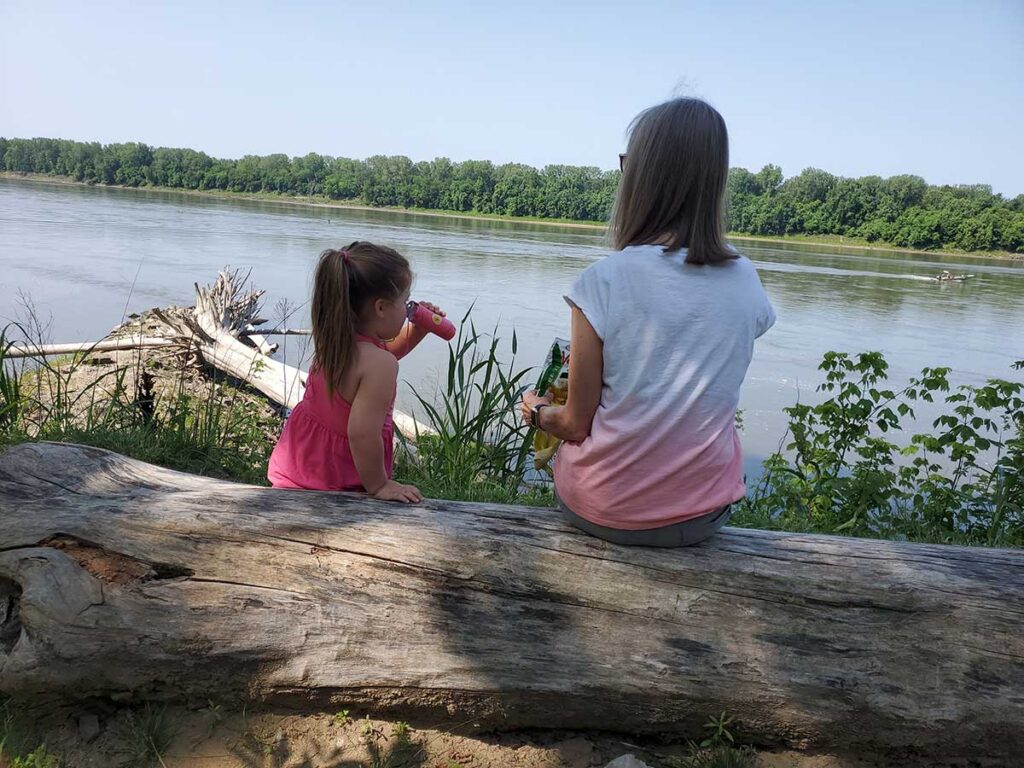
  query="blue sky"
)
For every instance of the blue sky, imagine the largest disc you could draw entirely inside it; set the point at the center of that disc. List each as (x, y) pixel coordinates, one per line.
(933, 88)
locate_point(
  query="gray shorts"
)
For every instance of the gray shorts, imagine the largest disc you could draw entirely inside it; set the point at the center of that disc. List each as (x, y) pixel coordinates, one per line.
(682, 534)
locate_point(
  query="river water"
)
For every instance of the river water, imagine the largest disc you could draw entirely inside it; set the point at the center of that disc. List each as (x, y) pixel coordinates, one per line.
(88, 255)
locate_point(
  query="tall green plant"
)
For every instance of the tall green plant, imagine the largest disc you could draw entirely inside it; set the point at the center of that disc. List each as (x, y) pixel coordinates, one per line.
(11, 398)
(476, 448)
(213, 432)
(20, 743)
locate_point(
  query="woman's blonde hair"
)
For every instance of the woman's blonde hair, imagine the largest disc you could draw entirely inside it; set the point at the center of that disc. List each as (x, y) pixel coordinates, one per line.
(346, 280)
(673, 182)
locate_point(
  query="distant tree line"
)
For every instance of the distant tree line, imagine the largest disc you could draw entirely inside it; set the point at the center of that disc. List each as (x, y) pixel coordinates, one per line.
(901, 210)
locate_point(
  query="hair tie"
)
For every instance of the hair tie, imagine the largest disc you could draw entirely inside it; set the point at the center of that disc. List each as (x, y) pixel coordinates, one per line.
(345, 258)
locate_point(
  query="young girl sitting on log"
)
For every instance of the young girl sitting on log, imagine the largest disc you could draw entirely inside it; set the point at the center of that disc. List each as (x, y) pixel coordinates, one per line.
(340, 436)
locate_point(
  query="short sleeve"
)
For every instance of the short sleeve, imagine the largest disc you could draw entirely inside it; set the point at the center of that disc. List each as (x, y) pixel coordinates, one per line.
(589, 294)
(765, 316)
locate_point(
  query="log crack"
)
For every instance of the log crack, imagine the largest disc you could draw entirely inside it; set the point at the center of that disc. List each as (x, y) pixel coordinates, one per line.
(111, 567)
(247, 585)
(10, 615)
(51, 482)
(740, 593)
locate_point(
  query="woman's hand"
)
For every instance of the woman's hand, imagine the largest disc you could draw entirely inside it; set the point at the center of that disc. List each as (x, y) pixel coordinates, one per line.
(531, 399)
(393, 491)
(572, 422)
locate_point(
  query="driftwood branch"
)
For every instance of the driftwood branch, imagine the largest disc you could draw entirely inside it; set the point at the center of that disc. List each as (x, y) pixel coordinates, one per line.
(280, 332)
(121, 579)
(16, 351)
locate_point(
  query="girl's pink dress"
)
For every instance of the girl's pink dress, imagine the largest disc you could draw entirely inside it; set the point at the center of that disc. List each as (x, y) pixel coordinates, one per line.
(313, 451)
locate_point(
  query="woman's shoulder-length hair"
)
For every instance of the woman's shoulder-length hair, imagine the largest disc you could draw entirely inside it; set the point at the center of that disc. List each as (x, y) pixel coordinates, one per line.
(673, 182)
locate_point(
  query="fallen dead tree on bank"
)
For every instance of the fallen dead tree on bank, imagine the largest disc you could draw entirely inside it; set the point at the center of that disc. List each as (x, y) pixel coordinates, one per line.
(121, 579)
(222, 331)
(222, 312)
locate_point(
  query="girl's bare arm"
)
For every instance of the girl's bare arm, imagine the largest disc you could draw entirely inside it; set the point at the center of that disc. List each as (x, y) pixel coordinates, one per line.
(366, 422)
(406, 341)
(411, 335)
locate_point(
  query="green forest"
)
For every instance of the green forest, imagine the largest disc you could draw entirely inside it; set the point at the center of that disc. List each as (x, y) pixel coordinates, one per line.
(902, 211)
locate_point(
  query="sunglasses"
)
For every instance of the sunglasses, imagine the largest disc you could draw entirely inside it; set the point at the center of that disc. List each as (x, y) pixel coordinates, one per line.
(622, 161)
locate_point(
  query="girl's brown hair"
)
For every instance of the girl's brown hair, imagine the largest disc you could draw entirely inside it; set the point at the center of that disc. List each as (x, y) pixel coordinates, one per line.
(673, 182)
(346, 280)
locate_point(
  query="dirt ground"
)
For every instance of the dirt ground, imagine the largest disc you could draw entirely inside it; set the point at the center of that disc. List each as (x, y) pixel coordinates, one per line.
(211, 738)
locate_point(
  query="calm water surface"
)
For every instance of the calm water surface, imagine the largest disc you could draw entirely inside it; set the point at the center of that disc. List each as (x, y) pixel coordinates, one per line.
(85, 256)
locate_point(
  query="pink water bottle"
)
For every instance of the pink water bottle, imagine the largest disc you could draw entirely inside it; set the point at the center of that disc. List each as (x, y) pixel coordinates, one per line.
(430, 321)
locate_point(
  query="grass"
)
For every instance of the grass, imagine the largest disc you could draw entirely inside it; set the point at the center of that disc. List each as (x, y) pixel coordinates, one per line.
(401, 751)
(478, 453)
(211, 435)
(478, 449)
(208, 427)
(718, 749)
(341, 718)
(844, 242)
(20, 743)
(722, 756)
(149, 734)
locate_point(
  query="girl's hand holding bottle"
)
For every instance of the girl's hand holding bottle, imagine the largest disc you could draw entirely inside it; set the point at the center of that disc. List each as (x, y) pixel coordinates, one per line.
(430, 317)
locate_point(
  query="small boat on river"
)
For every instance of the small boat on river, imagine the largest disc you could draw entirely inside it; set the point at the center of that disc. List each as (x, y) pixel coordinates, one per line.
(948, 277)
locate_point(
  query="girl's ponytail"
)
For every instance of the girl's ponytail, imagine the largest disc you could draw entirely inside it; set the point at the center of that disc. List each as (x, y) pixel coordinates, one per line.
(334, 318)
(345, 280)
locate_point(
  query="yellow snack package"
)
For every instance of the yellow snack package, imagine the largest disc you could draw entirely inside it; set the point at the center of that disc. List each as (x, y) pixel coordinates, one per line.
(554, 380)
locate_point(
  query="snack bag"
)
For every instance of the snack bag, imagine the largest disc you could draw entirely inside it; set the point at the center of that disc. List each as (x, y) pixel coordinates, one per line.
(554, 379)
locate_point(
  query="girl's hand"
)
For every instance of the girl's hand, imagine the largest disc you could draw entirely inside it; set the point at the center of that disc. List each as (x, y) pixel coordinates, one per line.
(433, 308)
(392, 491)
(531, 399)
(412, 334)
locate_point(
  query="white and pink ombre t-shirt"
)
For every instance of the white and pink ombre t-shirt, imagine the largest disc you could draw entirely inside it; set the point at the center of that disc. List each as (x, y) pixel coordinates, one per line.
(678, 338)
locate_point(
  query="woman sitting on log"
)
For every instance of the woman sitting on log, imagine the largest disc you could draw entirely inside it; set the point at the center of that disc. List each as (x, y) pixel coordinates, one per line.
(663, 331)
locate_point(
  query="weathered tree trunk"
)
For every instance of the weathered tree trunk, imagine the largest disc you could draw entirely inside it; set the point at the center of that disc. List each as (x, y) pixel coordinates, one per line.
(223, 311)
(119, 578)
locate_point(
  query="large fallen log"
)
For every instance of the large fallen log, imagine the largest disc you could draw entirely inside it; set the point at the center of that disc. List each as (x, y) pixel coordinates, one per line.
(121, 579)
